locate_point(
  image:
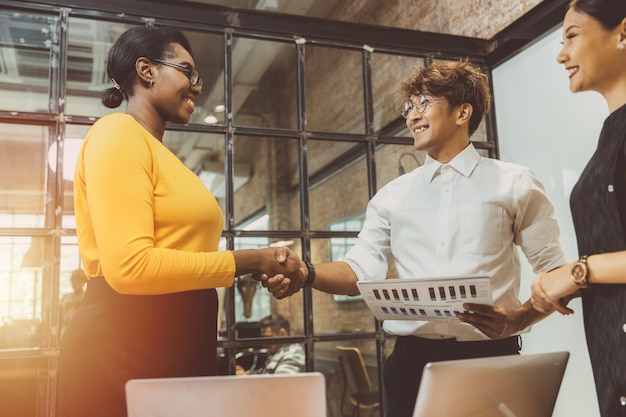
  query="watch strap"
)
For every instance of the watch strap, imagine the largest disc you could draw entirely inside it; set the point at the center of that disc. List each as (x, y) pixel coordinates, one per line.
(311, 278)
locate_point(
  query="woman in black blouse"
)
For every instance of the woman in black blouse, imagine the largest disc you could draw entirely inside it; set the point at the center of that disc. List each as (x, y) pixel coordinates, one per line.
(594, 55)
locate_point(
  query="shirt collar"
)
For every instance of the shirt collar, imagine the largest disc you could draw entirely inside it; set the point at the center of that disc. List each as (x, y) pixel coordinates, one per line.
(464, 163)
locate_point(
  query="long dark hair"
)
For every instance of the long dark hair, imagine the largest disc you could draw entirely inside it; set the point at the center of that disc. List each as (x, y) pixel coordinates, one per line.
(609, 13)
(140, 41)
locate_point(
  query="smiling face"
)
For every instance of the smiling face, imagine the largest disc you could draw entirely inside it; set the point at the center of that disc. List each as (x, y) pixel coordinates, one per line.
(439, 130)
(590, 53)
(174, 96)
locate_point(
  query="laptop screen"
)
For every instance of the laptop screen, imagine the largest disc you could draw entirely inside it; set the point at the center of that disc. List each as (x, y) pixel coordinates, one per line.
(502, 386)
(302, 395)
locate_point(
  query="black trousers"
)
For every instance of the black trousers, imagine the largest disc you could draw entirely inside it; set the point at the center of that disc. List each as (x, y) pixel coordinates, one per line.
(113, 338)
(403, 368)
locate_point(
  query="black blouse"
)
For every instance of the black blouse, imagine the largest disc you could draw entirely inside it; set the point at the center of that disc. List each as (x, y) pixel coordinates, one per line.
(598, 205)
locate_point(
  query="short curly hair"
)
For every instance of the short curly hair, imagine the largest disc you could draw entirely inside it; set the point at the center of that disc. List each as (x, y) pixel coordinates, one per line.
(458, 82)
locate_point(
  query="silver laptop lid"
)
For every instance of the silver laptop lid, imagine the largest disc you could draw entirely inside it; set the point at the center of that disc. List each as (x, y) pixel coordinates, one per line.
(301, 395)
(502, 386)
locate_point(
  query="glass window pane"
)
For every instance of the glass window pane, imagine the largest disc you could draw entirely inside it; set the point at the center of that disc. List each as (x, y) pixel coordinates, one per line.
(481, 132)
(483, 152)
(337, 315)
(264, 83)
(73, 281)
(393, 160)
(252, 301)
(388, 71)
(21, 278)
(208, 55)
(341, 189)
(26, 39)
(334, 90)
(267, 178)
(291, 308)
(23, 175)
(70, 260)
(89, 42)
(74, 135)
(402, 130)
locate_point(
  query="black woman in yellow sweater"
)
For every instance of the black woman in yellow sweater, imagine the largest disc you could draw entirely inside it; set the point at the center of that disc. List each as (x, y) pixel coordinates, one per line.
(148, 233)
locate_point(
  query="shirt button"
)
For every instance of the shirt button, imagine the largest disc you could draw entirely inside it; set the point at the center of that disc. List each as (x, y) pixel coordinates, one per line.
(622, 401)
(624, 327)
(442, 244)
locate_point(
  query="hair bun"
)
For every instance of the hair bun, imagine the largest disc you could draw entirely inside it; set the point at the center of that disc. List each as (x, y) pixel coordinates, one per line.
(112, 97)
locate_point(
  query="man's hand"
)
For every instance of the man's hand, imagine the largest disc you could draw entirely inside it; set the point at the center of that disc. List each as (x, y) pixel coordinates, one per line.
(284, 285)
(498, 322)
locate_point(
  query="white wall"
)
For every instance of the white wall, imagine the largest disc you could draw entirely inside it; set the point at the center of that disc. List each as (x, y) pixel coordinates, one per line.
(545, 127)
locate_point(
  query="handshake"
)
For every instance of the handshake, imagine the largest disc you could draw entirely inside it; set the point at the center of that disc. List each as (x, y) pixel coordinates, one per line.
(279, 270)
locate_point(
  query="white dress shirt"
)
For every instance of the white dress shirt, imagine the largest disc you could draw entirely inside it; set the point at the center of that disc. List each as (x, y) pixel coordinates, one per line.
(461, 218)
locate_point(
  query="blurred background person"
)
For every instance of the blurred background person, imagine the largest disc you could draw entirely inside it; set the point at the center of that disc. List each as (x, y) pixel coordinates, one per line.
(283, 359)
(71, 301)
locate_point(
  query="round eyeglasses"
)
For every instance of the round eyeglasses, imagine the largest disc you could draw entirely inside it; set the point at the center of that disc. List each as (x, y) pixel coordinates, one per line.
(189, 71)
(420, 104)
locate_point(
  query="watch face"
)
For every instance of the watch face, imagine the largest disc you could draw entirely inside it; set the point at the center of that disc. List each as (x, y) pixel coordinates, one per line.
(579, 272)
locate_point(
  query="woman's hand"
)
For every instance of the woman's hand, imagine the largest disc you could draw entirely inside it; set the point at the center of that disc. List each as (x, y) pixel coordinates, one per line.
(553, 290)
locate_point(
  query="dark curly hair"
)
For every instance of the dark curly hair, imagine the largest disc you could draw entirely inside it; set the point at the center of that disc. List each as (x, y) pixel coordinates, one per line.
(458, 82)
(150, 42)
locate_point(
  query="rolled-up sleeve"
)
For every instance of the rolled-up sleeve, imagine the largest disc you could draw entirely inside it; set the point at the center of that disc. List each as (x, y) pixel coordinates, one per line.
(536, 229)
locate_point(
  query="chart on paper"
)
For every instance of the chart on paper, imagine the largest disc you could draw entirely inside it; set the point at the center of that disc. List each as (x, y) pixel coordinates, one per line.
(424, 299)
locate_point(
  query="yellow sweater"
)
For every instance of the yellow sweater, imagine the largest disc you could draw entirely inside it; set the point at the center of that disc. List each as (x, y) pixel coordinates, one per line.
(143, 219)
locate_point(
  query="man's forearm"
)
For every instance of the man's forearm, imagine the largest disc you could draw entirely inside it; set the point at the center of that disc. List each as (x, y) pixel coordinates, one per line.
(335, 278)
(530, 316)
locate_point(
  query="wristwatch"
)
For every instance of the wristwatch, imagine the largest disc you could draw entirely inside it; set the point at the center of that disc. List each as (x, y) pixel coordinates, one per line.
(580, 272)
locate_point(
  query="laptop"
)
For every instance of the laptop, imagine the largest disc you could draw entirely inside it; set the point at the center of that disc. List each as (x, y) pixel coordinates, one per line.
(284, 395)
(502, 386)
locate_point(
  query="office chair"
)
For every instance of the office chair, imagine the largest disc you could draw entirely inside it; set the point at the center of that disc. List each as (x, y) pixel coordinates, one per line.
(357, 385)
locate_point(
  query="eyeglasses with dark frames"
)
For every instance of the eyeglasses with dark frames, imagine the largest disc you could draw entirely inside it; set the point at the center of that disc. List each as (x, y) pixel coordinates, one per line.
(420, 104)
(190, 72)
